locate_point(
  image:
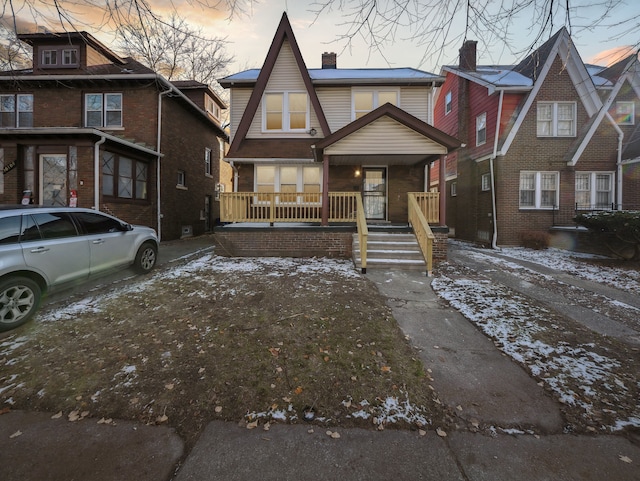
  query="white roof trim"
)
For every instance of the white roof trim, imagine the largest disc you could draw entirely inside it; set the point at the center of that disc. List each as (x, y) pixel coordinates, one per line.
(578, 74)
(268, 161)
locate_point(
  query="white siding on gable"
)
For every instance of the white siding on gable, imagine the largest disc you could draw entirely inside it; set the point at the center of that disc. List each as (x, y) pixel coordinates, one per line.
(285, 76)
(385, 136)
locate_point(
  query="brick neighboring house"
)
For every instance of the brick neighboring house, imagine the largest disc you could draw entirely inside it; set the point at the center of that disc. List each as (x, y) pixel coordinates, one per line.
(302, 134)
(85, 122)
(545, 139)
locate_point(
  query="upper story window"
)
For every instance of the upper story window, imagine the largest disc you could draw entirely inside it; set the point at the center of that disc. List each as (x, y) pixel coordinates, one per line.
(448, 104)
(58, 57)
(103, 110)
(594, 190)
(124, 177)
(481, 128)
(539, 190)
(212, 107)
(16, 110)
(364, 101)
(625, 113)
(556, 119)
(285, 111)
(207, 161)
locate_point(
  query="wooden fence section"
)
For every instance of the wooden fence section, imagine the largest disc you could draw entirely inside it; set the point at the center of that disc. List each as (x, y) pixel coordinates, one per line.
(423, 232)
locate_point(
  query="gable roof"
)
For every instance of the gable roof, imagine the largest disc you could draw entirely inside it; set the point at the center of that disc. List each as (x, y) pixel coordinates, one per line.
(392, 112)
(284, 32)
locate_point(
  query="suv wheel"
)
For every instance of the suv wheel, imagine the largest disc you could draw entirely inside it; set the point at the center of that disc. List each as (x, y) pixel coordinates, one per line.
(19, 300)
(146, 257)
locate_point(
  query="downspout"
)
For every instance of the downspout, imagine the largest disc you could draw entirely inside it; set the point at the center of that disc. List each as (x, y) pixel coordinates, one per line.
(96, 173)
(494, 238)
(618, 162)
(158, 177)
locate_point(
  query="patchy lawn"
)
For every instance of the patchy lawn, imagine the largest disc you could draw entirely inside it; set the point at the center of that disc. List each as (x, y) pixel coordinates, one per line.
(244, 340)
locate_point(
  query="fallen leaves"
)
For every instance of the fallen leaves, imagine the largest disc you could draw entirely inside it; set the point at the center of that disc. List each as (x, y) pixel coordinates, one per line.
(625, 459)
(77, 415)
(15, 435)
(440, 432)
(333, 434)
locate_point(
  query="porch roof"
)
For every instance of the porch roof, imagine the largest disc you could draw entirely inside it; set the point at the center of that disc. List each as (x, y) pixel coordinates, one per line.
(387, 135)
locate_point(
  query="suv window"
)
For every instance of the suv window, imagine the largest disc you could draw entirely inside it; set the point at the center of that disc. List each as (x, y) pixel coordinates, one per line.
(9, 229)
(97, 223)
(54, 225)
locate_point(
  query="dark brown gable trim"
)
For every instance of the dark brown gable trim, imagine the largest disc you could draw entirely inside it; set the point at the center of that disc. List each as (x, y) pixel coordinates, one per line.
(399, 115)
(284, 32)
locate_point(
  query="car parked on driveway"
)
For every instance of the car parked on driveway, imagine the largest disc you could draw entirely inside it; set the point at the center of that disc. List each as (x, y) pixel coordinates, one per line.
(47, 248)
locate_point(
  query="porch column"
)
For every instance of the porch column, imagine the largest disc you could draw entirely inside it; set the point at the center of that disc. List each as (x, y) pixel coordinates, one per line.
(442, 187)
(325, 190)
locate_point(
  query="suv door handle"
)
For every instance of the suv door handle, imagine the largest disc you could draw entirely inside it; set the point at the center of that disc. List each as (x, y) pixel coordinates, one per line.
(37, 250)
(98, 241)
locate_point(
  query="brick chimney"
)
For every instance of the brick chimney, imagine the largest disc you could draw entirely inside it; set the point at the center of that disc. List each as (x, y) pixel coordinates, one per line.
(329, 60)
(468, 55)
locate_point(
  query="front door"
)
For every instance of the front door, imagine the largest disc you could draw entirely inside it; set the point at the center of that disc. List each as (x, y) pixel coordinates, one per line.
(374, 192)
(53, 179)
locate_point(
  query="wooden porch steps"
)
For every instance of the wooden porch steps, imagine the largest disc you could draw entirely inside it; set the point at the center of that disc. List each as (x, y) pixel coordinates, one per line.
(390, 250)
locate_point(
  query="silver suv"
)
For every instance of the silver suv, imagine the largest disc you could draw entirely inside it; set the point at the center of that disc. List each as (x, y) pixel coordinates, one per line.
(46, 248)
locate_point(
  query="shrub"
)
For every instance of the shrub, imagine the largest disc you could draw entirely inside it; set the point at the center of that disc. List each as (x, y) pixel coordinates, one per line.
(535, 239)
(619, 230)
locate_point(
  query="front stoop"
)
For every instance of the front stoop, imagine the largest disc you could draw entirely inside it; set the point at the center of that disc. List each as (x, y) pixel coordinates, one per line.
(390, 250)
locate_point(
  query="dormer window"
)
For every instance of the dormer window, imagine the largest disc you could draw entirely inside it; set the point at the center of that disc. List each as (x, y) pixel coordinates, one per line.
(212, 107)
(59, 57)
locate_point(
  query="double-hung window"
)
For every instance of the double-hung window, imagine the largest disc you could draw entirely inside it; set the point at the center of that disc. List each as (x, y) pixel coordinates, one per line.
(285, 111)
(539, 190)
(594, 190)
(481, 128)
(295, 183)
(103, 110)
(123, 177)
(556, 119)
(16, 110)
(364, 101)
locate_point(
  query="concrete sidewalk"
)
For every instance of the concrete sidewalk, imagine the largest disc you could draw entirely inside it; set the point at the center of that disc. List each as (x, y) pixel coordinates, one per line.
(470, 374)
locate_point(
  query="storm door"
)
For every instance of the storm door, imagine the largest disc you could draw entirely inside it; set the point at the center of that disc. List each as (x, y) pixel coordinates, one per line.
(53, 179)
(374, 192)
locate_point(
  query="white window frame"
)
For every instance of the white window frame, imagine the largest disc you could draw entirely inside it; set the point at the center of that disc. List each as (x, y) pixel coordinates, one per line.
(481, 128)
(592, 191)
(625, 109)
(181, 181)
(375, 99)
(454, 189)
(553, 122)
(104, 111)
(538, 203)
(448, 103)
(212, 107)
(69, 57)
(277, 181)
(207, 162)
(286, 113)
(49, 57)
(485, 182)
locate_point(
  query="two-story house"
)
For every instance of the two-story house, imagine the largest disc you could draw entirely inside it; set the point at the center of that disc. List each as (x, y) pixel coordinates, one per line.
(304, 138)
(544, 140)
(86, 127)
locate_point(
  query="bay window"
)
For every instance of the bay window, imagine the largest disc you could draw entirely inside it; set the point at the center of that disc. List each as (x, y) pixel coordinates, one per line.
(123, 177)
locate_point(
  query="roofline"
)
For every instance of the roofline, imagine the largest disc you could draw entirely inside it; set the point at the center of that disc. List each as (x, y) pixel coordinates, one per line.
(86, 37)
(78, 131)
(435, 82)
(148, 76)
(489, 85)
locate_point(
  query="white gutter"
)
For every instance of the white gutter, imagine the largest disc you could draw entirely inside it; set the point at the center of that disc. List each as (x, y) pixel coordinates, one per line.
(96, 172)
(158, 177)
(494, 238)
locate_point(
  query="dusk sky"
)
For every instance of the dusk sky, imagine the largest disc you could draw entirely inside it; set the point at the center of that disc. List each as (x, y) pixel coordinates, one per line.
(250, 35)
